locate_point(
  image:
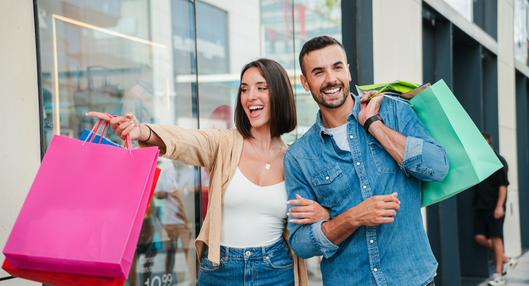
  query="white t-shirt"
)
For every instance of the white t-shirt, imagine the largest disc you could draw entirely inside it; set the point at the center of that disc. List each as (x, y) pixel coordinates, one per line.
(339, 134)
(253, 215)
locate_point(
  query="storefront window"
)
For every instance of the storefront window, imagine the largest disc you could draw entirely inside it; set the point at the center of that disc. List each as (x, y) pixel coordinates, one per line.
(123, 56)
(160, 61)
(483, 13)
(521, 30)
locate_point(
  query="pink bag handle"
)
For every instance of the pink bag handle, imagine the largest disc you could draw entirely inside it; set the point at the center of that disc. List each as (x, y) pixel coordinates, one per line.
(104, 132)
(95, 130)
(127, 144)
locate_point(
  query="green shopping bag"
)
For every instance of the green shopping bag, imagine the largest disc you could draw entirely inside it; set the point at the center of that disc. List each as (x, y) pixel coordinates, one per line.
(404, 89)
(471, 158)
(396, 86)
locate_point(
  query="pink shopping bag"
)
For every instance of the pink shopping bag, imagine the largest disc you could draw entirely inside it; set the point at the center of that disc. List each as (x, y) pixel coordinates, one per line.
(62, 279)
(85, 209)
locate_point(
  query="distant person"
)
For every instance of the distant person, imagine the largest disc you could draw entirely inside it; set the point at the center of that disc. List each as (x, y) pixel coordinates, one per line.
(490, 197)
(173, 214)
(146, 247)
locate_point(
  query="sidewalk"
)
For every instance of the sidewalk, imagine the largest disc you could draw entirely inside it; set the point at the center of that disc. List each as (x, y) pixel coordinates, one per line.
(520, 275)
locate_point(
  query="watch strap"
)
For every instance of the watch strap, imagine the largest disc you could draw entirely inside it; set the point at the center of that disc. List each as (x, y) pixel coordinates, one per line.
(370, 121)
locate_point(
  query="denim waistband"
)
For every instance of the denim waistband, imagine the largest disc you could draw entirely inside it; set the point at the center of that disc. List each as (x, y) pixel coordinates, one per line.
(252, 252)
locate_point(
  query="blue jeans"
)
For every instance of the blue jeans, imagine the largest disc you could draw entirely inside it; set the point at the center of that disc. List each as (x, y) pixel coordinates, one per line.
(256, 266)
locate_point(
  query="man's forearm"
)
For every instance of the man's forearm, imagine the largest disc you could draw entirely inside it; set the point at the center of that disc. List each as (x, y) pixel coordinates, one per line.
(391, 140)
(373, 211)
(341, 227)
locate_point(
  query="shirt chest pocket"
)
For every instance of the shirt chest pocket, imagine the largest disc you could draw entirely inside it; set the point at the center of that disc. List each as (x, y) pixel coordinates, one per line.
(331, 186)
(383, 161)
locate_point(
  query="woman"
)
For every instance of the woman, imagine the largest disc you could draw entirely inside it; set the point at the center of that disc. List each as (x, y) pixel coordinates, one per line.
(243, 234)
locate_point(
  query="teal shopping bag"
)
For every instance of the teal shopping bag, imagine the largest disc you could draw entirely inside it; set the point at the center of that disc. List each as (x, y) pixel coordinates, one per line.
(471, 158)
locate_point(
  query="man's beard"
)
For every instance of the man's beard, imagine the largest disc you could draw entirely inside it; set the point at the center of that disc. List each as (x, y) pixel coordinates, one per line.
(321, 101)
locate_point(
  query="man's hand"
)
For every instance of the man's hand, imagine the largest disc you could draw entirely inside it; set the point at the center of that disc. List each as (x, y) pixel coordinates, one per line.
(499, 212)
(369, 107)
(376, 210)
(306, 211)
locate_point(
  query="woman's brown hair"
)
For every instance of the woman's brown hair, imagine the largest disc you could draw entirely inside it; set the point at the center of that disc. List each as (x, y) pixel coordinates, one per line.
(283, 117)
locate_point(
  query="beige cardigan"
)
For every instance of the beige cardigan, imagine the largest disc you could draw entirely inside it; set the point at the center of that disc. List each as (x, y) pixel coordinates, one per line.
(219, 151)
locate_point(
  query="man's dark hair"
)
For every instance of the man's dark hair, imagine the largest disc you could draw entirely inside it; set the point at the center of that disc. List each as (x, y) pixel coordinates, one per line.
(316, 43)
(283, 116)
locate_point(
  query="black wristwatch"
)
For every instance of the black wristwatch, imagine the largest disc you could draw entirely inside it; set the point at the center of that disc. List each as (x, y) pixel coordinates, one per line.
(370, 121)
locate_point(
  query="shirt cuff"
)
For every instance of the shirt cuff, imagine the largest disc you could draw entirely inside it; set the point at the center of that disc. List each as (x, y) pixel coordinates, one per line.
(413, 148)
(326, 246)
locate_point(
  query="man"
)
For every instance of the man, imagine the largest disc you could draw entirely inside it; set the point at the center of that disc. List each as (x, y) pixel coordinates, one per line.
(353, 161)
(489, 204)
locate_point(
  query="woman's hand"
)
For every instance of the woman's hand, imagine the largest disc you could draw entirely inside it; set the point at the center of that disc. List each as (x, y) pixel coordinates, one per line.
(306, 211)
(123, 125)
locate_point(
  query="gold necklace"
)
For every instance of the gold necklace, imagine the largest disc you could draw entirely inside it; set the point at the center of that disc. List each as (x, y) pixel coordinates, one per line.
(268, 163)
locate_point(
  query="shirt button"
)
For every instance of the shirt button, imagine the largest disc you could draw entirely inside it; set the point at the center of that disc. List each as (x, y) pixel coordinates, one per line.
(351, 136)
(371, 241)
(375, 269)
(365, 186)
(357, 163)
(326, 178)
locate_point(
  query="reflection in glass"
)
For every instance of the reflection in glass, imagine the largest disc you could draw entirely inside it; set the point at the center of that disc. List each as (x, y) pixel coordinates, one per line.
(521, 31)
(176, 182)
(121, 56)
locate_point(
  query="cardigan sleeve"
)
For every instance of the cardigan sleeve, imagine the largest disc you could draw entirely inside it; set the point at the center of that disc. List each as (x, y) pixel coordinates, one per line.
(191, 146)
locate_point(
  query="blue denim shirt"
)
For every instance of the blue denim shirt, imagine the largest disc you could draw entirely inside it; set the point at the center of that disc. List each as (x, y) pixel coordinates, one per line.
(315, 168)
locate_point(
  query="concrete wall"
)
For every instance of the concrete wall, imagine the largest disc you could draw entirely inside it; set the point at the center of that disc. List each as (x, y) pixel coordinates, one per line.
(19, 114)
(395, 57)
(507, 121)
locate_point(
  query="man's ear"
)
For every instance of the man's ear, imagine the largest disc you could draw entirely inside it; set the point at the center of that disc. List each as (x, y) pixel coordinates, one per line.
(304, 82)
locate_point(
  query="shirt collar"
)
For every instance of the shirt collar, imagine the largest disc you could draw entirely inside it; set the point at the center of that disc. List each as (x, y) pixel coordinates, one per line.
(354, 115)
